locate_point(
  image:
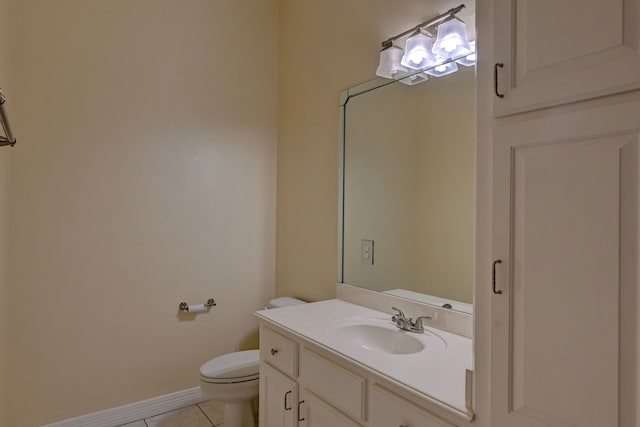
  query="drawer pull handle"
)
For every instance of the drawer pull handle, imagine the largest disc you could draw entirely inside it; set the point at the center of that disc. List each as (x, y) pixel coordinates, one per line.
(493, 277)
(300, 403)
(285, 401)
(495, 79)
(274, 351)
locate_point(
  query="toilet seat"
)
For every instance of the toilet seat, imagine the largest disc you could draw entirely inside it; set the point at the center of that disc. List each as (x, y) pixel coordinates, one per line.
(238, 367)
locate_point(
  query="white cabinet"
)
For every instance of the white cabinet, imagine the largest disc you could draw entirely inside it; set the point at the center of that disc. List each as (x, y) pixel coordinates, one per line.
(278, 398)
(565, 216)
(335, 384)
(280, 352)
(314, 412)
(303, 385)
(564, 339)
(556, 52)
(388, 409)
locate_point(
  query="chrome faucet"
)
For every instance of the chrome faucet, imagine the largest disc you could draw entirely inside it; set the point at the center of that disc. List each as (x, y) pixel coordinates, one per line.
(407, 324)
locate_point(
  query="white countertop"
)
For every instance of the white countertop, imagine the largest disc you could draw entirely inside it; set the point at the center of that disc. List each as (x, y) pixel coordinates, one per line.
(439, 371)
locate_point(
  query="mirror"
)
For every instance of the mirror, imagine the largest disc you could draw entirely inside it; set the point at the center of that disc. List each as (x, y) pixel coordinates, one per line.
(407, 199)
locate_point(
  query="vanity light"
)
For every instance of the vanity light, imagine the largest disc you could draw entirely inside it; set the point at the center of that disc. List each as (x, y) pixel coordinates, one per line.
(469, 60)
(417, 54)
(422, 54)
(452, 39)
(443, 69)
(414, 79)
(390, 57)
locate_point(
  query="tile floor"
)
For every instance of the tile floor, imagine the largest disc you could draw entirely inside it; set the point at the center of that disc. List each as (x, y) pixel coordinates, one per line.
(206, 414)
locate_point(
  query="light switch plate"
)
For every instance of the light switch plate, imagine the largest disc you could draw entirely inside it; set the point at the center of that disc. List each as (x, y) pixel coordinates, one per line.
(366, 251)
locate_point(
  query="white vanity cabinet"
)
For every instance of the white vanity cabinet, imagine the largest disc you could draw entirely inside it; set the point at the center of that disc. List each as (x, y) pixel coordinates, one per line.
(279, 405)
(318, 388)
(555, 52)
(317, 413)
(279, 400)
(388, 409)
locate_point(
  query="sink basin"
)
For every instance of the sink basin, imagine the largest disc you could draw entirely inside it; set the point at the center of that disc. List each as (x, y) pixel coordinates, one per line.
(379, 339)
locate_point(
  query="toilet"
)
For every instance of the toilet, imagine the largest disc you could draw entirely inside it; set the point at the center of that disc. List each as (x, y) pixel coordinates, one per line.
(233, 378)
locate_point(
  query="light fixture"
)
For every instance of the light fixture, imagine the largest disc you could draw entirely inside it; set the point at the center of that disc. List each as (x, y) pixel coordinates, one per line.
(390, 57)
(414, 79)
(452, 39)
(469, 60)
(417, 53)
(443, 69)
(421, 53)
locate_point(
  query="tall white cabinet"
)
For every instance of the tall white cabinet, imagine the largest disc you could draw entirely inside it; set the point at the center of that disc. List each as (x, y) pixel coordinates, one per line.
(565, 190)
(550, 52)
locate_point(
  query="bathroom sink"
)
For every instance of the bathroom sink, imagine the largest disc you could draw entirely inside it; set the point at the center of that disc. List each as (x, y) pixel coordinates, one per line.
(380, 339)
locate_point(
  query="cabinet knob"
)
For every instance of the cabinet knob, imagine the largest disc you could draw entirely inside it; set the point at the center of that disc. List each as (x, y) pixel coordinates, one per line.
(274, 351)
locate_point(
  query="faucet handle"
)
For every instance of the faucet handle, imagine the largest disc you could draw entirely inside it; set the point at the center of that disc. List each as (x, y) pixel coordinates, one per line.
(418, 326)
(400, 313)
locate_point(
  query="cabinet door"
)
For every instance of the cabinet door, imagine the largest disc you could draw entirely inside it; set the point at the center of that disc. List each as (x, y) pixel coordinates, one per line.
(565, 226)
(314, 412)
(278, 398)
(556, 52)
(389, 410)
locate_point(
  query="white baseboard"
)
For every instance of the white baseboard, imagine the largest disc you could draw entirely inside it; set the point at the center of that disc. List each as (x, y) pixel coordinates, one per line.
(136, 411)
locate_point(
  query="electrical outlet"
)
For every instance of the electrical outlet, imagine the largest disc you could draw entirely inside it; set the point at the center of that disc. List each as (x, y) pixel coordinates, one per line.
(366, 251)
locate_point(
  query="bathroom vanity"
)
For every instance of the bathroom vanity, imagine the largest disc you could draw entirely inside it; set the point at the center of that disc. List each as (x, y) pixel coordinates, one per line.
(333, 363)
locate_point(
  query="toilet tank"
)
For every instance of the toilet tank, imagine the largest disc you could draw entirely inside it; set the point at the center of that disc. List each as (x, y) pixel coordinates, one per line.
(284, 302)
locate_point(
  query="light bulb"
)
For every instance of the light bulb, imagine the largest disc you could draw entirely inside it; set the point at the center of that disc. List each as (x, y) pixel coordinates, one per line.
(449, 45)
(470, 59)
(443, 69)
(390, 62)
(414, 79)
(417, 52)
(452, 39)
(417, 56)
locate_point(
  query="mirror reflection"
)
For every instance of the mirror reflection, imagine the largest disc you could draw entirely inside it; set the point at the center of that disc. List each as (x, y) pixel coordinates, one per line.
(408, 189)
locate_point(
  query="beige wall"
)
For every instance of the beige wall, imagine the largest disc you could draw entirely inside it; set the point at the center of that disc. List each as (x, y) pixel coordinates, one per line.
(145, 176)
(325, 47)
(5, 152)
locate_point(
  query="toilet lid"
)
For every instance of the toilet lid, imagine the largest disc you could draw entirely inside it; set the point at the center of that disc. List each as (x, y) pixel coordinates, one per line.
(232, 367)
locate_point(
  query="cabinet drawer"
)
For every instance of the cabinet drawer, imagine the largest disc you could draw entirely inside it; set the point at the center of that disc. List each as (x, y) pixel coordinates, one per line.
(336, 385)
(388, 409)
(279, 352)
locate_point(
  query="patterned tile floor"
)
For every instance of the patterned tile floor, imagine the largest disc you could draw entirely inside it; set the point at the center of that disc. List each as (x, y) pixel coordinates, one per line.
(206, 414)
